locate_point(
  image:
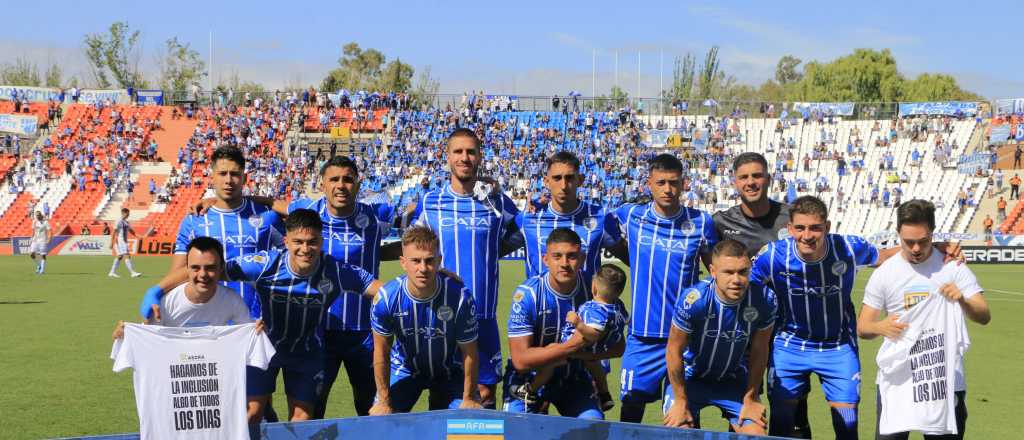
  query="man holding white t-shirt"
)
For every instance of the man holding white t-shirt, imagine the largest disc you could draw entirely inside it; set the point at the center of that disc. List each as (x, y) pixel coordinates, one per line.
(902, 282)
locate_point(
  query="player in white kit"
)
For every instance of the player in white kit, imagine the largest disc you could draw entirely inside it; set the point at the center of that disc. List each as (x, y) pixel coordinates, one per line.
(119, 244)
(40, 241)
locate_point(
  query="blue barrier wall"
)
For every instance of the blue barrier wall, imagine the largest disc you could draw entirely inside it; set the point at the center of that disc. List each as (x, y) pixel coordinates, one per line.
(470, 424)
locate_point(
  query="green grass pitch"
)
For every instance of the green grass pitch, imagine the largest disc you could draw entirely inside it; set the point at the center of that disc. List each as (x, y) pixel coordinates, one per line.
(56, 378)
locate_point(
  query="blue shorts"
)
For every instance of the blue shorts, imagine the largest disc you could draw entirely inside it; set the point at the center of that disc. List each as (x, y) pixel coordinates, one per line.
(838, 369)
(445, 392)
(489, 345)
(643, 369)
(572, 397)
(303, 376)
(726, 395)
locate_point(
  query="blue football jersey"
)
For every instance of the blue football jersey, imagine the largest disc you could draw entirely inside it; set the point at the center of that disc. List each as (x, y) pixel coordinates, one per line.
(245, 230)
(354, 239)
(471, 231)
(427, 332)
(597, 229)
(293, 306)
(610, 319)
(816, 311)
(664, 258)
(538, 311)
(720, 332)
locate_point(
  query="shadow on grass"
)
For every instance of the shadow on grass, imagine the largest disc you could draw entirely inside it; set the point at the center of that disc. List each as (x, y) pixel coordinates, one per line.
(16, 302)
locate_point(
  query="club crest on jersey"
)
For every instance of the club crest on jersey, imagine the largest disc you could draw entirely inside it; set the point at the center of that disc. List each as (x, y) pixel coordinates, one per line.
(691, 297)
(838, 268)
(362, 220)
(687, 227)
(256, 221)
(590, 223)
(783, 234)
(325, 287)
(445, 313)
(750, 314)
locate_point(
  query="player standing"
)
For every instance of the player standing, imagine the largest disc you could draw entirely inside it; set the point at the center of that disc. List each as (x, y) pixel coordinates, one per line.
(666, 243)
(432, 318)
(40, 243)
(715, 324)
(473, 226)
(119, 244)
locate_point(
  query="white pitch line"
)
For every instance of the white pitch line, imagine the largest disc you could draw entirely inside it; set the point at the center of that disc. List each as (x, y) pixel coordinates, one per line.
(1008, 292)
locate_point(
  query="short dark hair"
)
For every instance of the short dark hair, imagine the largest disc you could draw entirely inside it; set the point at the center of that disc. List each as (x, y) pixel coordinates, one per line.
(749, 157)
(563, 235)
(916, 212)
(421, 236)
(206, 244)
(665, 162)
(303, 219)
(228, 153)
(609, 279)
(808, 205)
(729, 248)
(340, 162)
(123, 211)
(463, 132)
(563, 157)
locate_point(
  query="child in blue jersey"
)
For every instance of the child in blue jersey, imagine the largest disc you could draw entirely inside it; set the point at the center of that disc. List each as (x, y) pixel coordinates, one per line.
(432, 318)
(719, 344)
(602, 319)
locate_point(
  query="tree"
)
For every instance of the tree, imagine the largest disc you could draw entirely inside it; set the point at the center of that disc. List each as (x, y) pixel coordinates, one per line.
(114, 57)
(936, 87)
(708, 74)
(54, 75)
(21, 72)
(181, 66)
(368, 69)
(425, 88)
(864, 76)
(683, 74)
(785, 70)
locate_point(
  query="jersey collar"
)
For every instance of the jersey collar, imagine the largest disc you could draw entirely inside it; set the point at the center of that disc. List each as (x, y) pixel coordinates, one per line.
(437, 289)
(654, 212)
(579, 207)
(828, 249)
(241, 206)
(288, 266)
(575, 289)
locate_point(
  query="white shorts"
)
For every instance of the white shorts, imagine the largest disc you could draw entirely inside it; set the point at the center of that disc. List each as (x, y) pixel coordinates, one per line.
(38, 247)
(121, 248)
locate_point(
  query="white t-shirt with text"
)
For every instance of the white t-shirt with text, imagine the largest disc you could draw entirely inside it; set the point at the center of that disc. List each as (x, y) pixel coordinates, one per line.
(226, 307)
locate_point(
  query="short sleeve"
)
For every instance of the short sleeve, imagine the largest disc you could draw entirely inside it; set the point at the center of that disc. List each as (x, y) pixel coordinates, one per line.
(710, 234)
(466, 324)
(121, 353)
(875, 292)
(612, 233)
(247, 267)
(760, 271)
(771, 310)
(417, 217)
(385, 212)
(301, 203)
(864, 253)
(355, 278)
(380, 316)
(520, 318)
(966, 281)
(687, 311)
(516, 239)
(261, 351)
(185, 234)
(594, 317)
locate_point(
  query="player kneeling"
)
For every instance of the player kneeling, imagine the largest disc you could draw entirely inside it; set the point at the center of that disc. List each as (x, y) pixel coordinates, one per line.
(432, 317)
(715, 322)
(602, 319)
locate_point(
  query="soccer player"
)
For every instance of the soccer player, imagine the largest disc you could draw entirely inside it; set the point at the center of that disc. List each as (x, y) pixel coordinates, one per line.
(474, 227)
(539, 310)
(714, 325)
(243, 227)
(666, 242)
(813, 273)
(40, 241)
(201, 301)
(432, 318)
(119, 244)
(602, 319)
(910, 277)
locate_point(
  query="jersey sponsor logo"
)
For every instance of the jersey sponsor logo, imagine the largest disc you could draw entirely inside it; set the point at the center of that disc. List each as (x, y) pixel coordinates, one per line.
(821, 292)
(258, 258)
(445, 313)
(691, 297)
(325, 287)
(726, 335)
(550, 331)
(473, 223)
(256, 221)
(731, 231)
(240, 240)
(517, 307)
(424, 332)
(362, 220)
(912, 297)
(205, 223)
(761, 251)
(298, 300)
(750, 314)
(342, 237)
(838, 268)
(667, 244)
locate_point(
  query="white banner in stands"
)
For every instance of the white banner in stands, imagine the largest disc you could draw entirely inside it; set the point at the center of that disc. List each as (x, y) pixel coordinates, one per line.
(87, 245)
(21, 124)
(90, 96)
(34, 94)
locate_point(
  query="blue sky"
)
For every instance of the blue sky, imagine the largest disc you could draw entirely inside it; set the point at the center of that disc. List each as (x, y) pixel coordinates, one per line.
(539, 48)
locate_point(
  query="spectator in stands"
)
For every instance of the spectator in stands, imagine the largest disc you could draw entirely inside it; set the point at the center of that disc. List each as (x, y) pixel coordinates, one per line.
(988, 228)
(1001, 208)
(1017, 153)
(106, 228)
(85, 229)
(999, 181)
